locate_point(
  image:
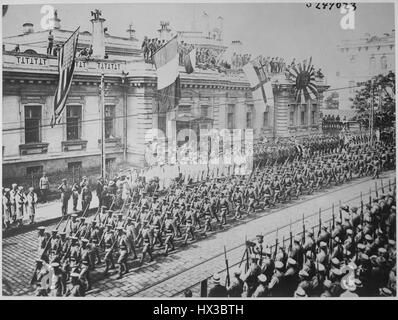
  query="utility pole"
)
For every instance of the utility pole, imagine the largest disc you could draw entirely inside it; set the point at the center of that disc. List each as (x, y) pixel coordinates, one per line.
(102, 112)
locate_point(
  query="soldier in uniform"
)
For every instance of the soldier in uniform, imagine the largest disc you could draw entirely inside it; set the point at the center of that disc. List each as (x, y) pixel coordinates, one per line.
(75, 195)
(250, 276)
(86, 197)
(109, 241)
(145, 234)
(58, 284)
(54, 247)
(123, 246)
(21, 201)
(64, 189)
(41, 242)
(169, 230)
(262, 289)
(75, 289)
(31, 199)
(85, 264)
(190, 230)
(73, 225)
(235, 289)
(131, 236)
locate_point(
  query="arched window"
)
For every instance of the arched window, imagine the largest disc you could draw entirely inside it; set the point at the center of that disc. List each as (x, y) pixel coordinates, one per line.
(383, 62)
(372, 65)
(30, 51)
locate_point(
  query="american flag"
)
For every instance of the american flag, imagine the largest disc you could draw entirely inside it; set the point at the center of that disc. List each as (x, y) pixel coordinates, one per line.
(66, 66)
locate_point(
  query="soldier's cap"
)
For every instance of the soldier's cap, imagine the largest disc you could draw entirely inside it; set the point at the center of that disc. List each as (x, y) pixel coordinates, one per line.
(237, 271)
(297, 239)
(382, 250)
(110, 211)
(260, 236)
(41, 228)
(75, 275)
(368, 237)
(336, 271)
(104, 207)
(335, 261)
(354, 209)
(385, 292)
(300, 293)
(267, 251)
(216, 278)
(85, 262)
(291, 262)
(64, 180)
(109, 225)
(93, 221)
(20, 188)
(349, 231)
(119, 228)
(303, 273)
(111, 183)
(14, 185)
(55, 264)
(129, 219)
(278, 265)
(62, 233)
(391, 242)
(337, 240)
(364, 257)
(120, 214)
(74, 238)
(323, 244)
(309, 254)
(82, 218)
(320, 267)
(262, 278)
(345, 208)
(327, 284)
(84, 240)
(54, 231)
(352, 265)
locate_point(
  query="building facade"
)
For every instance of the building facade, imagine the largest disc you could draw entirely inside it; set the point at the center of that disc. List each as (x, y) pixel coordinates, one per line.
(361, 59)
(209, 100)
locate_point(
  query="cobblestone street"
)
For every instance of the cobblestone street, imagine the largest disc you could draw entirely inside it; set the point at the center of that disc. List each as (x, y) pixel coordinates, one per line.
(168, 276)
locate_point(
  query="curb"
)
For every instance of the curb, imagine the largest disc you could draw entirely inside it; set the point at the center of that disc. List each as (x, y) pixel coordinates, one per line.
(44, 223)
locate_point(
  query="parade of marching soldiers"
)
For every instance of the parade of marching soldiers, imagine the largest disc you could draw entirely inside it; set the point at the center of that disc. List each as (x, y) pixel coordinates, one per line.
(138, 222)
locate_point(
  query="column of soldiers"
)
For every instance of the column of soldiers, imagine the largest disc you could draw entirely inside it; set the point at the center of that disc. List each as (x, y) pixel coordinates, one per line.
(137, 217)
(150, 46)
(352, 256)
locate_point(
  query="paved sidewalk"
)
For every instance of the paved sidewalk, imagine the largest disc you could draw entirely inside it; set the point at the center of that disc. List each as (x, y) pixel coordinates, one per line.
(47, 213)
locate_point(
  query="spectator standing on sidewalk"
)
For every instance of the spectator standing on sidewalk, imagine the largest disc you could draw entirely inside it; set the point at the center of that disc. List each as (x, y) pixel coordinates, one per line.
(86, 198)
(44, 186)
(99, 188)
(21, 202)
(31, 198)
(75, 195)
(13, 195)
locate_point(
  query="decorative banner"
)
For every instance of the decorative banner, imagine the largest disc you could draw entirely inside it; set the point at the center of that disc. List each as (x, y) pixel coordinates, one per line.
(304, 77)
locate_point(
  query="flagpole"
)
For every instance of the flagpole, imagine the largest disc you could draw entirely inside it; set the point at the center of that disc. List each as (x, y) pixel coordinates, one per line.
(102, 112)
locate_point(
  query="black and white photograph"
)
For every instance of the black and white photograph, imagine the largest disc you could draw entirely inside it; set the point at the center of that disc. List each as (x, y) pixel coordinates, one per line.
(230, 150)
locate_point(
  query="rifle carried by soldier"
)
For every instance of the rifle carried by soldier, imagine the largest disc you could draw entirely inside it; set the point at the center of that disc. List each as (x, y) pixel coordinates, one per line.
(228, 280)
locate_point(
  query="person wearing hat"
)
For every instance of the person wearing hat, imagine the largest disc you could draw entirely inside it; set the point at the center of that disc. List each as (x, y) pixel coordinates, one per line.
(75, 289)
(190, 230)
(98, 189)
(291, 279)
(145, 235)
(31, 203)
(65, 195)
(297, 251)
(123, 247)
(85, 264)
(262, 289)
(108, 239)
(300, 293)
(169, 231)
(235, 289)
(73, 225)
(208, 214)
(217, 290)
(21, 201)
(275, 286)
(86, 197)
(13, 201)
(58, 281)
(41, 277)
(75, 195)
(327, 286)
(55, 248)
(41, 241)
(94, 236)
(131, 236)
(6, 208)
(250, 276)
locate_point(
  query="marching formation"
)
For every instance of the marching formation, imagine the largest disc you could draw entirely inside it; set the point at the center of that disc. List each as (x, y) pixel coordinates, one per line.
(134, 224)
(352, 256)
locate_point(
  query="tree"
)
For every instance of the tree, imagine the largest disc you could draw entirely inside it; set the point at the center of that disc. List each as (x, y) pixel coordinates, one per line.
(383, 93)
(332, 101)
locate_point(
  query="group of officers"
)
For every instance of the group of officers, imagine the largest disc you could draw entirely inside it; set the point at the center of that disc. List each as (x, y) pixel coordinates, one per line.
(354, 256)
(142, 217)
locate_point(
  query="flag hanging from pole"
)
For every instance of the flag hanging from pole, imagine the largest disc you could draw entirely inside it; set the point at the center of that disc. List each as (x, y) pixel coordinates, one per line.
(190, 61)
(66, 67)
(260, 85)
(168, 79)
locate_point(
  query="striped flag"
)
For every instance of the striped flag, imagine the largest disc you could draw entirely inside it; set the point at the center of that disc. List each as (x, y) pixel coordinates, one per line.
(166, 63)
(66, 66)
(261, 87)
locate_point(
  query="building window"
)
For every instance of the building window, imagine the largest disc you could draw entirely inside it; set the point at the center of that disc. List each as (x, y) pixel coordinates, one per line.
(184, 109)
(32, 124)
(313, 114)
(372, 65)
(383, 61)
(109, 122)
(204, 111)
(291, 115)
(303, 121)
(249, 120)
(265, 119)
(34, 170)
(231, 117)
(110, 162)
(74, 165)
(73, 122)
